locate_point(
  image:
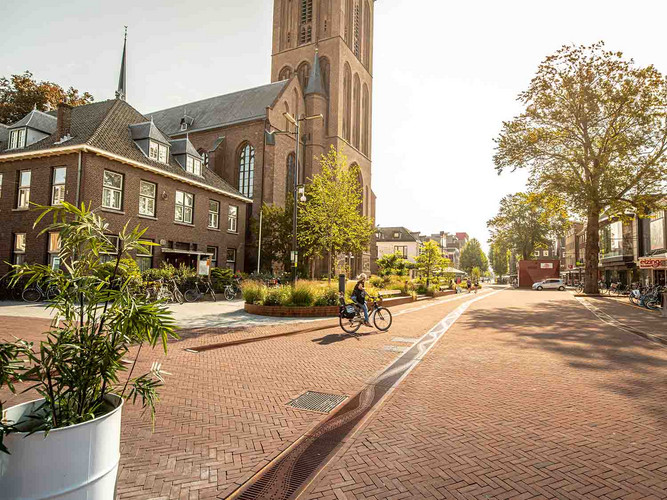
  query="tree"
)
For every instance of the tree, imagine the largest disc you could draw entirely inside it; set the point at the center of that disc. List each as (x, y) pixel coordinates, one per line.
(276, 234)
(430, 260)
(593, 132)
(392, 264)
(475, 274)
(19, 94)
(329, 220)
(527, 221)
(472, 256)
(499, 259)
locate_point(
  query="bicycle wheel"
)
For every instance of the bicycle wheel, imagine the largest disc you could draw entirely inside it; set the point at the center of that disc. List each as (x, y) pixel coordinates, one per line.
(213, 295)
(178, 295)
(382, 319)
(653, 304)
(349, 325)
(192, 295)
(31, 294)
(230, 294)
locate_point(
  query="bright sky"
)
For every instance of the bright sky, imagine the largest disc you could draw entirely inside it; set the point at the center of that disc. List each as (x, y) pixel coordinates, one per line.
(446, 76)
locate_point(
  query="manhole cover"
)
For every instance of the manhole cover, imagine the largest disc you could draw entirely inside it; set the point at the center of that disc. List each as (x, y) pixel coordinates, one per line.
(395, 348)
(317, 401)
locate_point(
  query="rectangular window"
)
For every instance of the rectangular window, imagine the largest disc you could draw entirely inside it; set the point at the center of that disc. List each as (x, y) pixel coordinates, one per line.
(19, 248)
(184, 206)
(17, 139)
(112, 192)
(536, 253)
(403, 250)
(58, 189)
(147, 192)
(153, 151)
(233, 219)
(145, 260)
(193, 165)
(657, 232)
(545, 253)
(163, 153)
(231, 258)
(113, 251)
(54, 250)
(213, 214)
(24, 189)
(397, 235)
(214, 257)
(158, 152)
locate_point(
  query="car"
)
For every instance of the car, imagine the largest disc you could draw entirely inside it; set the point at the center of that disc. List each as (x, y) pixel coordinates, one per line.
(549, 284)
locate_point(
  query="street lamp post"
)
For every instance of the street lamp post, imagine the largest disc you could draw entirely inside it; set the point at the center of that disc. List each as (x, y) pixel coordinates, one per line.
(298, 189)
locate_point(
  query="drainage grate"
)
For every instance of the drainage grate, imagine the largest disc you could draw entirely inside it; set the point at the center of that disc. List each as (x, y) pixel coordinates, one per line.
(317, 401)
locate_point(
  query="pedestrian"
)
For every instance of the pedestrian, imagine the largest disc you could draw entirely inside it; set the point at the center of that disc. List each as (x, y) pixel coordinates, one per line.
(469, 284)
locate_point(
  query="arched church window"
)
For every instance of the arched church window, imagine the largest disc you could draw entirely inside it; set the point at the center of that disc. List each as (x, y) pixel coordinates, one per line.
(304, 74)
(357, 111)
(246, 170)
(289, 182)
(367, 35)
(347, 99)
(366, 114)
(349, 22)
(285, 73)
(306, 22)
(325, 68)
(357, 31)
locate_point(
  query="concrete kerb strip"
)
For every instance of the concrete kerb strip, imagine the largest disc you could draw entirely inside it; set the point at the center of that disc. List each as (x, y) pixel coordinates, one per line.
(230, 343)
(610, 320)
(423, 345)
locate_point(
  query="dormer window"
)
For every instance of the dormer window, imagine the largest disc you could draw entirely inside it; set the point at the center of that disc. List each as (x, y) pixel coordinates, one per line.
(193, 165)
(184, 125)
(397, 235)
(158, 152)
(17, 139)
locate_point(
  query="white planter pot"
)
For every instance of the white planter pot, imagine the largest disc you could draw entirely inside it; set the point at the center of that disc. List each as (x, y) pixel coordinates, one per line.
(79, 462)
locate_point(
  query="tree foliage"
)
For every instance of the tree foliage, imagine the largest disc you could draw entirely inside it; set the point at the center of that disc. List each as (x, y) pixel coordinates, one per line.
(593, 132)
(330, 221)
(276, 234)
(392, 264)
(472, 256)
(528, 221)
(19, 94)
(430, 261)
(499, 259)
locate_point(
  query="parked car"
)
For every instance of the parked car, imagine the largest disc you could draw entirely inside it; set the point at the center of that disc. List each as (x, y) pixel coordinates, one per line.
(549, 284)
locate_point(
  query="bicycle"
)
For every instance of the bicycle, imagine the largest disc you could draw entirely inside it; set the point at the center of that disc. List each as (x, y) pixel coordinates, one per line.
(35, 293)
(159, 291)
(176, 292)
(351, 316)
(194, 294)
(232, 290)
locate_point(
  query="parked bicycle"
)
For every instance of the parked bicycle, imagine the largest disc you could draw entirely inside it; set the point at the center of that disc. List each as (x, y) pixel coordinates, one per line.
(159, 291)
(649, 297)
(200, 289)
(36, 292)
(233, 289)
(351, 316)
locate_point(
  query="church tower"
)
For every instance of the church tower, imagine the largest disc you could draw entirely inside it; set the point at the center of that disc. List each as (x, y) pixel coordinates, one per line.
(331, 40)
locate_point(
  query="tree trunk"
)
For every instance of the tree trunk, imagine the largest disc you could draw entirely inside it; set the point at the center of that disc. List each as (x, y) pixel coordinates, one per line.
(592, 250)
(329, 267)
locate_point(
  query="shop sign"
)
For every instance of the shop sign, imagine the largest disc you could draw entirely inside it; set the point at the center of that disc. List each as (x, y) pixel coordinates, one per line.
(547, 265)
(650, 263)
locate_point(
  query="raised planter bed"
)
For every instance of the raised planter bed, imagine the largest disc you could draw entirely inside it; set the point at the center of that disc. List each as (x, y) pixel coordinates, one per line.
(443, 293)
(292, 312)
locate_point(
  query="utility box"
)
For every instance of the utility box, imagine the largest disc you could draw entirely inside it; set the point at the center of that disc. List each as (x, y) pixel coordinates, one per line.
(532, 271)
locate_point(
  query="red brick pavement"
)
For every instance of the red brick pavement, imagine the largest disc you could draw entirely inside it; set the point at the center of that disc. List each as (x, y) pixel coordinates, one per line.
(222, 415)
(527, 396)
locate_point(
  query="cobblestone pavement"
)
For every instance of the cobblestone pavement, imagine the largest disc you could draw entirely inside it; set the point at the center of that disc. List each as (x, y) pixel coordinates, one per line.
(528, 395)
(222, 415)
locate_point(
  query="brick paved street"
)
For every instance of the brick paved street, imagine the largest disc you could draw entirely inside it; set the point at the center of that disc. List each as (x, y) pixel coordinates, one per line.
(527, 396)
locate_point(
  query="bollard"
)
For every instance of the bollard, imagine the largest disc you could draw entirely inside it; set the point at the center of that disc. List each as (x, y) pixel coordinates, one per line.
(664, 304)
(341, 283)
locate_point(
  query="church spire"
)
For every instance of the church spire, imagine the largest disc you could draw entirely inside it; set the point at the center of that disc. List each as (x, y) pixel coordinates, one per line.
(121, 93)
(315, 83)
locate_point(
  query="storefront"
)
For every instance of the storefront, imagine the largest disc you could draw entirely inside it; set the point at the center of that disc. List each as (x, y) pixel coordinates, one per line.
(653, 270)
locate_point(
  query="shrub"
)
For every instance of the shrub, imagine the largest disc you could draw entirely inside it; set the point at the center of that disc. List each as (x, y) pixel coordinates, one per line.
(221, 277)
(254, 292)
(304, 294)
(377, 281)
(432, 289)
(421, 289)
(327, 297)
(279, 296)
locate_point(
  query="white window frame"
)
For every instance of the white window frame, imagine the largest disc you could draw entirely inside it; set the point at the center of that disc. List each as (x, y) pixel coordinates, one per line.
(233, 219)
(228, 261)
(545, 253)
(54, 250)
(108, 256)
(158, 152)
(58, 188)
(18, 251)
(193, 165)
(23, 200)
(145, 201)
(214, 258)
(110, 188)
(1, 179)
(143, 256)
(17, 138)
(185, 207)
(213, 214)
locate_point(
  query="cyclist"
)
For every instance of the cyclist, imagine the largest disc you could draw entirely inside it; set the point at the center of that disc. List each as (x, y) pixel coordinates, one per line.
(359, 296)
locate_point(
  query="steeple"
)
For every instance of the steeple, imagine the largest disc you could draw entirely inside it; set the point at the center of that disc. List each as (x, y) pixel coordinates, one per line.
(315, 83)
(121, 93)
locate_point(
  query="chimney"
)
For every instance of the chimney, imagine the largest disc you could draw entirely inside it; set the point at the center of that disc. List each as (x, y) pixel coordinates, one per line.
(64, 123)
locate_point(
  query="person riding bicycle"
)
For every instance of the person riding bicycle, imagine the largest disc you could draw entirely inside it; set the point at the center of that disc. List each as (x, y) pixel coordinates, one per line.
(359, 296)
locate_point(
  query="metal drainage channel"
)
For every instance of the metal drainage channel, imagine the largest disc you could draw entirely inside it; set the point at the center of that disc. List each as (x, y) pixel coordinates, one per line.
(288, 475)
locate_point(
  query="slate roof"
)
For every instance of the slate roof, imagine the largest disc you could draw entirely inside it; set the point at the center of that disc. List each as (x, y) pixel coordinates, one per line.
(315, 84)
(238, 107)
(38, 120)
(147, 130)
(4, 136)
(106, 125)
(388, 234)
(183, 146)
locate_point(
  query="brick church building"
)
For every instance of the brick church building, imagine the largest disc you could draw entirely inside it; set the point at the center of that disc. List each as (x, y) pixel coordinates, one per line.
(195, 174)
(321, 64)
